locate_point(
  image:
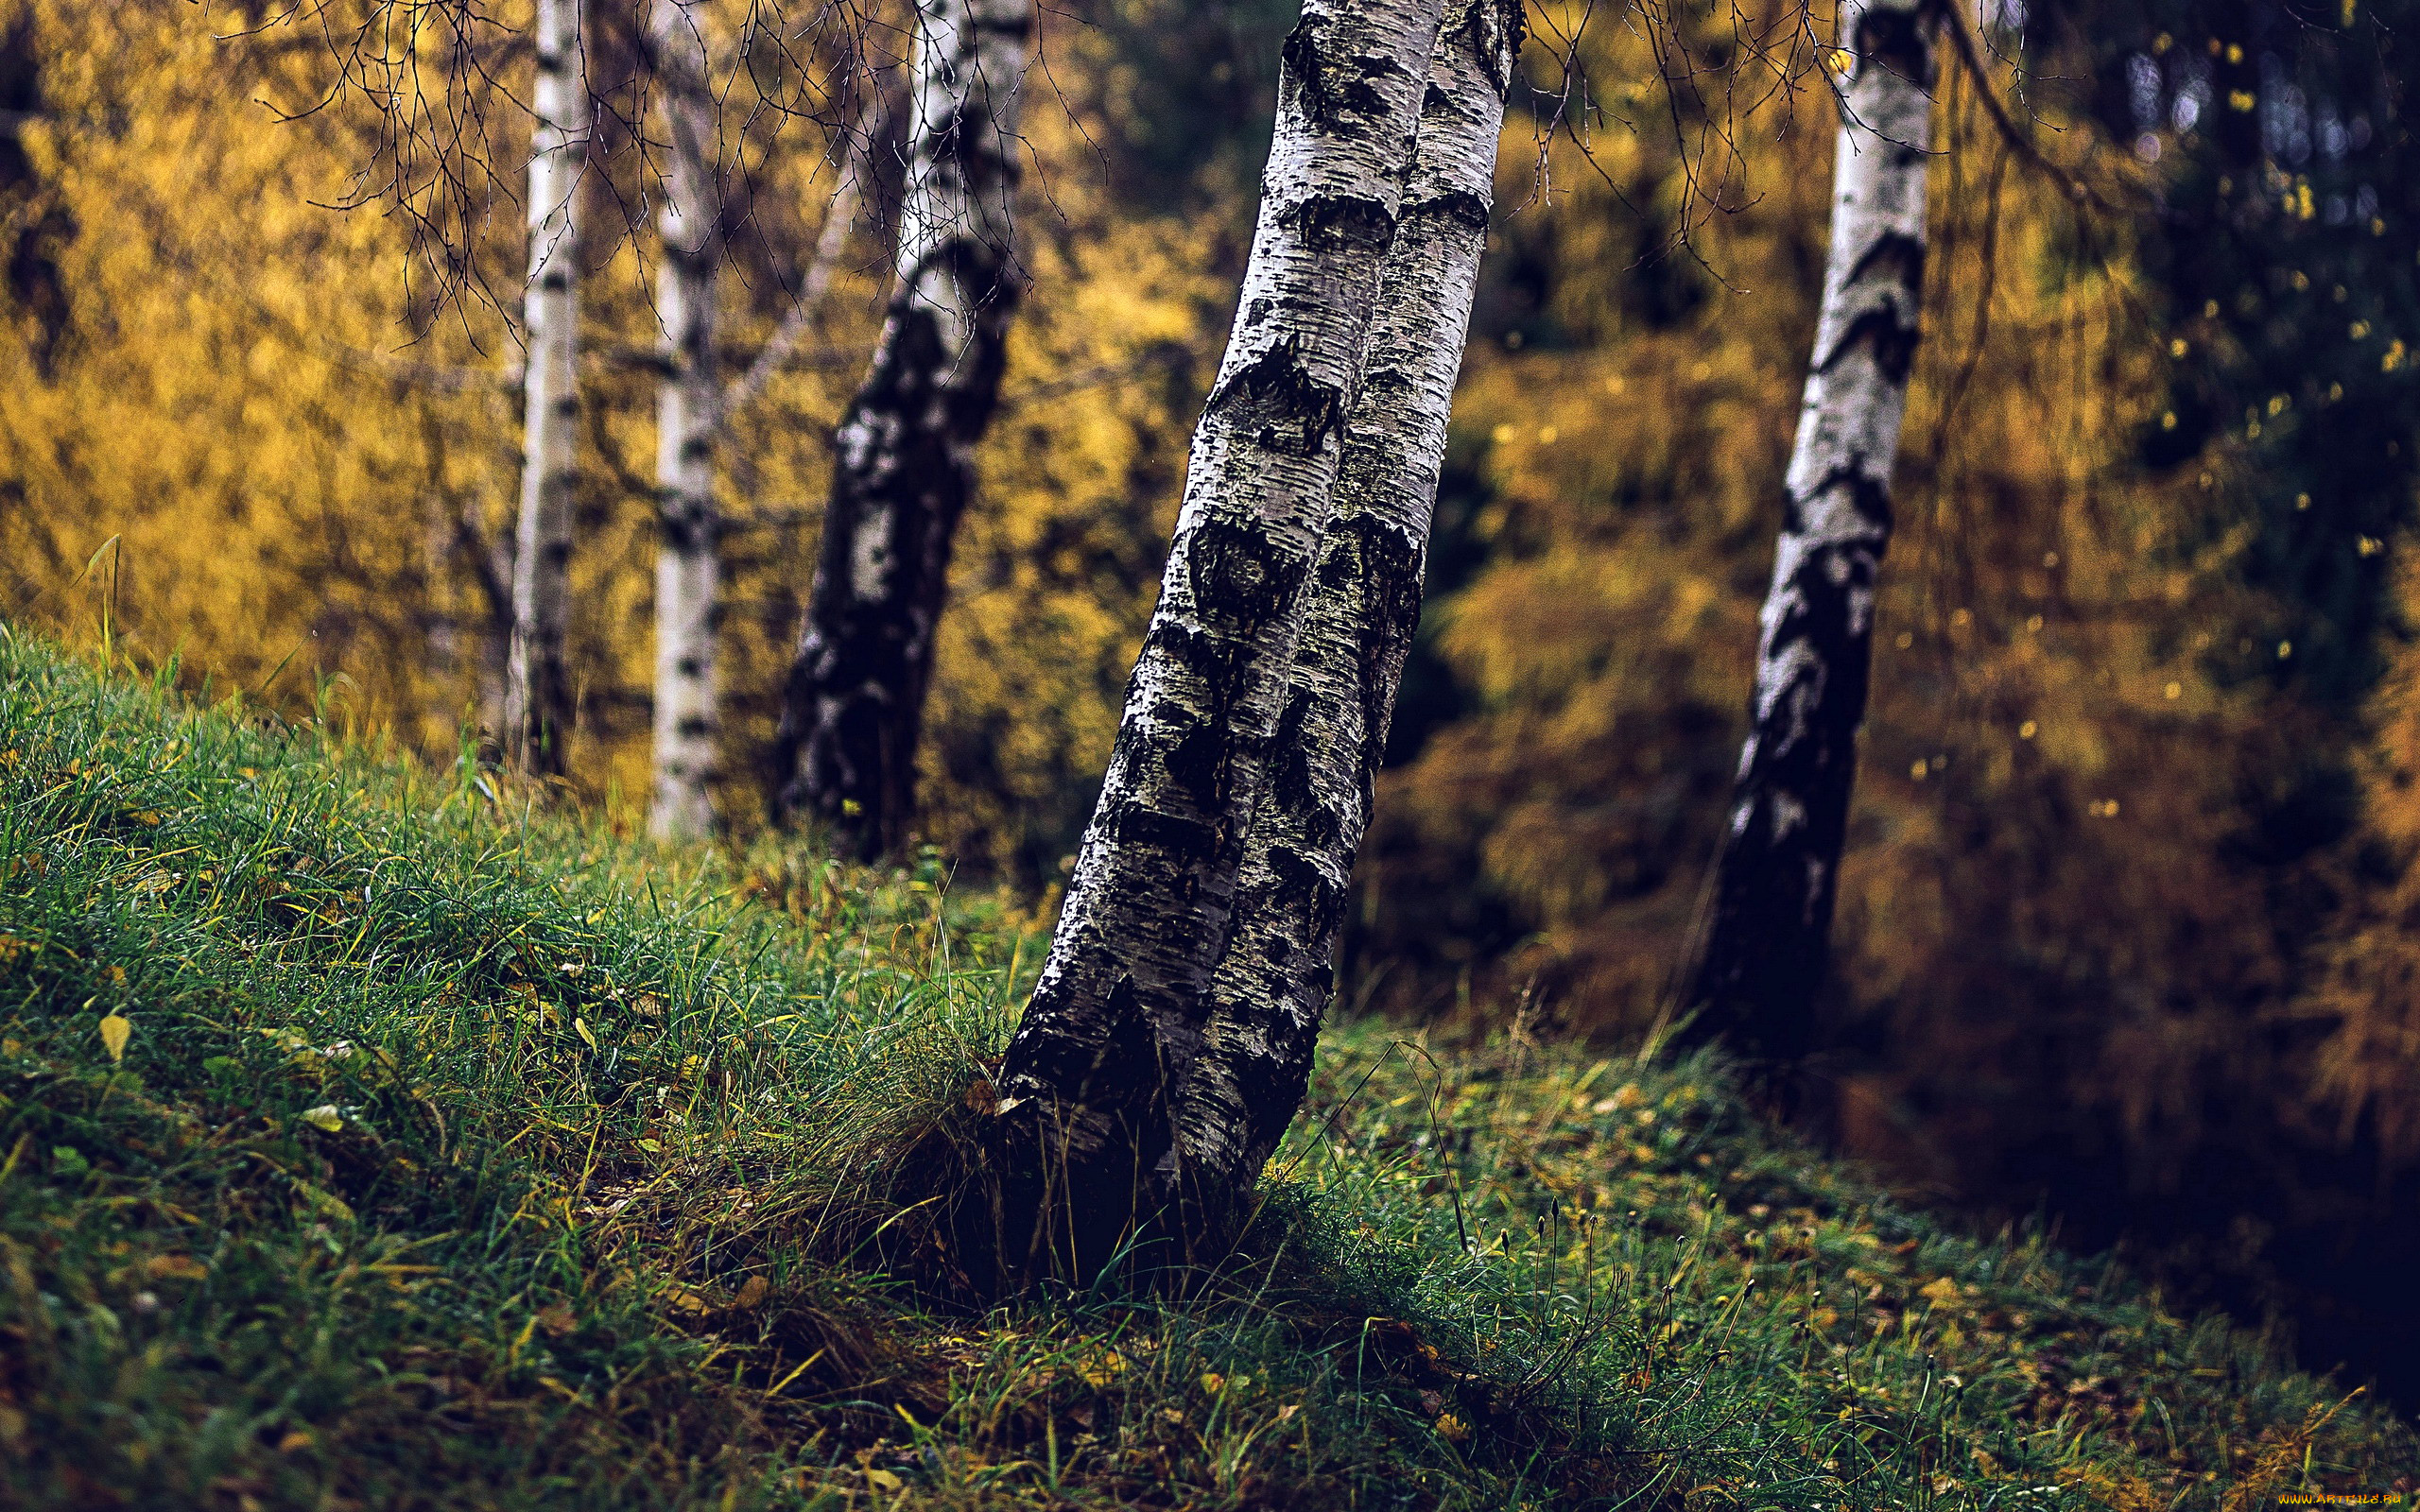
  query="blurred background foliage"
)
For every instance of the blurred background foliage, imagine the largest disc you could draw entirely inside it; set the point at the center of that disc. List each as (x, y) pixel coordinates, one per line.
(2127, 930)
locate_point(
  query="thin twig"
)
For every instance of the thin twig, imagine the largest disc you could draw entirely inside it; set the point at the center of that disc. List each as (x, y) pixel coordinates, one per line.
(1969, 48)
(816, 281)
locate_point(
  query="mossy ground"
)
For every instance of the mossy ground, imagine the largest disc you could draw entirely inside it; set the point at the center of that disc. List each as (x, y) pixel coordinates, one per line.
(462, 1155)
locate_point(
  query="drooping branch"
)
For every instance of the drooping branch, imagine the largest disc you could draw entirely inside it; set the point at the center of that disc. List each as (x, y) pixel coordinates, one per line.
(1968, 44)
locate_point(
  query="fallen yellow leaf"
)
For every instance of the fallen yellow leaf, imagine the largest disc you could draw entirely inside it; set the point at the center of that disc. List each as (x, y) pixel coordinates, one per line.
(327, 1202)
(324, 1117)
(183, 1267)
(687, 1301)
(883, 1479)
(115, 1030)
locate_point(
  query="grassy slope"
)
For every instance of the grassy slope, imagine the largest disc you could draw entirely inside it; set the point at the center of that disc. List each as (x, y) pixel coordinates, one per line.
(458, 1159)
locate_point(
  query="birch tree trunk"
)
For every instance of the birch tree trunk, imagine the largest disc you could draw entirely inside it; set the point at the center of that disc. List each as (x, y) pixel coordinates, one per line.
(1768, 940)
(854, 702)
(537, 703)
(1271, 988)
(688, 566)
(1086, 1122)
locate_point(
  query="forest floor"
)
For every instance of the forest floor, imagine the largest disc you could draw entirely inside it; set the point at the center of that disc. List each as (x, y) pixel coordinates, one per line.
(372, 1138)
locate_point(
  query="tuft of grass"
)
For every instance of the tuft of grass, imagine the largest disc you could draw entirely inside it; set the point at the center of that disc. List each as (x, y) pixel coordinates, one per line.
(371, 1136)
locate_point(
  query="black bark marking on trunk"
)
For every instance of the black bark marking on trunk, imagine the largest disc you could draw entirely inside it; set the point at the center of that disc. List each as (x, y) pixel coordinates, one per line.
(1337, 92)
(1173, 834)
(1242, 581)
(1887, 336)
(687, 530)
(1335, 223)
(1299, 885)
(1887, 330)
(1275, 400)
(1899, 257)
(1298, 60)
(1463, 209)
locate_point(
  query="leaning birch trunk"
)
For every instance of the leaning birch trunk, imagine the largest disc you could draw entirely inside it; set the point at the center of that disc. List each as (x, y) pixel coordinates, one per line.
(853, 703)
(537, 702)
(1767, 941)
(1085, 1117)
(688, 566)
(1272, 985)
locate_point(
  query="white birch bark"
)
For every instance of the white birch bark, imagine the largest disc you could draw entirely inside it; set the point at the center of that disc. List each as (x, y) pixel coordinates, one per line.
(689, 553)
(537, 685)
(1767, 943)
(1272, 985)
(852, 705)
(1119, 1013)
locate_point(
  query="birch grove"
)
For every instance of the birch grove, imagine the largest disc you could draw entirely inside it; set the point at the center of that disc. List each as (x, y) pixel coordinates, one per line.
(853, 704)
(538, 703)
(1767, 941)
(1272, 985)
(1084, 1123)
(688, 558)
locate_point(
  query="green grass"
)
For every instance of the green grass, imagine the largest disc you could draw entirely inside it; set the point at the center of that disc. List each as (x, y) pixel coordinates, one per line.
(461, 1155)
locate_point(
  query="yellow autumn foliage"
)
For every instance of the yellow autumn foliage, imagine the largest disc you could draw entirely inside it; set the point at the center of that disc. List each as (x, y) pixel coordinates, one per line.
(302, 472)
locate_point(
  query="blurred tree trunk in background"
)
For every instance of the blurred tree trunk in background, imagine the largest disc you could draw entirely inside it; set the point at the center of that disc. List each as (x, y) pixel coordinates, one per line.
(1088, 1091)
(853, 704)
(1767, 944)
(538, 701)
(1272, 987)
(688, 557)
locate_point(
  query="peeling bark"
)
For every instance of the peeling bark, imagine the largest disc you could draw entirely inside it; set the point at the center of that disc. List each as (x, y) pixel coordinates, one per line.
(1271, 988)
(1086, 1118)
(688, 561)
(537, 702)
(853, 703)
(1768, 940)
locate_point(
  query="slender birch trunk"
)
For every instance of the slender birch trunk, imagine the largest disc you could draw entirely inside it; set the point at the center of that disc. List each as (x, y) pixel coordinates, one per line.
(537, 704)
(853, 703)
(1768, 940)
(1272, 985)
(688, 564)
(1086, 1116)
